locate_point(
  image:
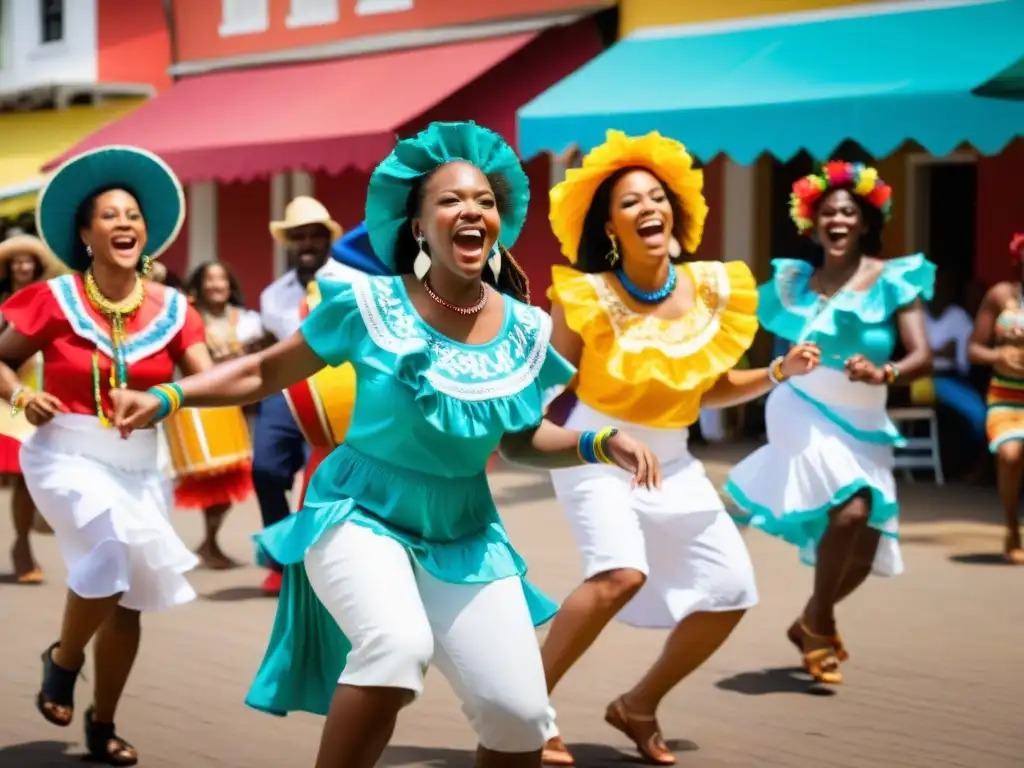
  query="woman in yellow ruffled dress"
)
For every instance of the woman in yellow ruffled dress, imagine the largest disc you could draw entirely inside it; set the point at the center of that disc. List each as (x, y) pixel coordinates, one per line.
(655, 337)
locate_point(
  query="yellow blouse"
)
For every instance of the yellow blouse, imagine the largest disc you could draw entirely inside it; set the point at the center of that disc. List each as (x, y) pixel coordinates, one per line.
(649, 371)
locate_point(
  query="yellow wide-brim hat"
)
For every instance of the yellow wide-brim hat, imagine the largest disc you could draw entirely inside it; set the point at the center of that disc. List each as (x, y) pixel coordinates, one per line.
(301, 212)
(665, 158)
(33, 246)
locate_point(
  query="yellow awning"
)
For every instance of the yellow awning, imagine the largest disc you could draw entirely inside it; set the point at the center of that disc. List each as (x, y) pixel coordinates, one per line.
(32, 138)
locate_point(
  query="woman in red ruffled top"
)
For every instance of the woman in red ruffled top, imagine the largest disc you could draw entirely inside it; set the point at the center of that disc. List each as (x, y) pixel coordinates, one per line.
(102, 493)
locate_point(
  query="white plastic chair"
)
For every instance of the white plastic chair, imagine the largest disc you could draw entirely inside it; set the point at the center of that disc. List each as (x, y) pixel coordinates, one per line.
(921, 450)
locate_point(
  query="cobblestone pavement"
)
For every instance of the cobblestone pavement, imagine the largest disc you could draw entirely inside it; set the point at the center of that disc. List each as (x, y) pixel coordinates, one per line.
(934, 681)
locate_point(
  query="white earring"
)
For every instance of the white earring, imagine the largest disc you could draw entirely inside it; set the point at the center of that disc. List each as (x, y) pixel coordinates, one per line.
(421, 264)
(495, 261)
(675, 250)
(88, 251)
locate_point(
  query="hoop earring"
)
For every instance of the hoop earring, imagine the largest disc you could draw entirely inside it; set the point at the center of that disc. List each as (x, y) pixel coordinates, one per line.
(495, 261)
(613, 254)
(421, 264)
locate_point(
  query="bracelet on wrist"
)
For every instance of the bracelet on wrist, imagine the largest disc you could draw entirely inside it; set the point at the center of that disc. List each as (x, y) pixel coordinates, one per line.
(171, 398)
(775, 374)
(891, 373)
(591, 446)
(18, 398)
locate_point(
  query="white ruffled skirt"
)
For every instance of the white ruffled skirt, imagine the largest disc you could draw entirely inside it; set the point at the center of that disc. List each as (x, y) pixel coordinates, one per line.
(829, 439)
(109, 506)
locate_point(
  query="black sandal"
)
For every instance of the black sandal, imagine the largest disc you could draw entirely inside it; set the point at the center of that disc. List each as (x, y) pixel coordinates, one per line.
(104, 745)
(58, 690)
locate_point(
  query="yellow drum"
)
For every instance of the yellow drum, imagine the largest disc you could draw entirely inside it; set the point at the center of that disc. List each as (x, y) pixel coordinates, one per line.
(208, 441)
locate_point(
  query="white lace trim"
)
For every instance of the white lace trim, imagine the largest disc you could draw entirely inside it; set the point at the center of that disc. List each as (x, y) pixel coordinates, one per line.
(502, 369)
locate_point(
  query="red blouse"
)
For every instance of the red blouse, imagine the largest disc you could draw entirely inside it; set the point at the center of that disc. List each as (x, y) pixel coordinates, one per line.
(59, 320)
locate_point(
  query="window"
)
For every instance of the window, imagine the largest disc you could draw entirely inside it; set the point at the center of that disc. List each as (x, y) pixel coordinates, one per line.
(243, 17)
(312, 13)
(370, 7)
(51, 21)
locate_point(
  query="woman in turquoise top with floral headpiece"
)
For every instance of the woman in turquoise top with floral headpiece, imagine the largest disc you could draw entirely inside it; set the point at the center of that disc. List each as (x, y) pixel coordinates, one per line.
(398, 558)
(824, 482)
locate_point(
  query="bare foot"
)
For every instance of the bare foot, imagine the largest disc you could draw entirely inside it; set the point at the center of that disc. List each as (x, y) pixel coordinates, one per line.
(26, 570)
(213, 558)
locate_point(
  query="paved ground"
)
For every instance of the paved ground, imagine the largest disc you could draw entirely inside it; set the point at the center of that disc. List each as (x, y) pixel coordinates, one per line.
(935, 679)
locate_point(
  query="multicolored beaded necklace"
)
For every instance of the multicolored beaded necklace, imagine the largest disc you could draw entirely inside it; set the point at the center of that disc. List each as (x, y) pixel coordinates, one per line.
(116, 313)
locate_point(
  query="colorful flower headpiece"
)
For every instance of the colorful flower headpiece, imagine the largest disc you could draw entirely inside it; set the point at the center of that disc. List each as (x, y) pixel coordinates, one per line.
(666, 158)
(862, 180)
(1017, 248)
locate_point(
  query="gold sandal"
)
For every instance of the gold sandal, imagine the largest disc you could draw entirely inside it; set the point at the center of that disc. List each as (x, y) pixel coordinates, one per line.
(796, 637)
(556, 753)
(653, 749)
(823, 662)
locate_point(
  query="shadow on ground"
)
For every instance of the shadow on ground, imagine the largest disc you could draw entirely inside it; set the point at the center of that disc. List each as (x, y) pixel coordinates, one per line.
(38, 754)
(589, 755)
(980, 558)
(235, 594)
(774, 680)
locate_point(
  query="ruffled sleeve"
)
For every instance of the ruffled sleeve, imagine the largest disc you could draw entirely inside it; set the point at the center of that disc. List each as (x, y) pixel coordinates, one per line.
(35, 313)
(785, 303)
(335, 327)
(902, 282)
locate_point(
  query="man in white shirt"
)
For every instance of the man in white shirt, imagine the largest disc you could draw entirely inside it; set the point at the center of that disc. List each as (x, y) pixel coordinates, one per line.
(279, 449)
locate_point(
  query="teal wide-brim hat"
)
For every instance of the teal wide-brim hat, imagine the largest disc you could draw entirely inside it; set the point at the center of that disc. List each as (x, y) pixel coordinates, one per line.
(388, 194)
(148, 178)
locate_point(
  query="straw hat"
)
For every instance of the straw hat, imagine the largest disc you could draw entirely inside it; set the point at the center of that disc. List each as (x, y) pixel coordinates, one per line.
(303, 211)
(33, 246)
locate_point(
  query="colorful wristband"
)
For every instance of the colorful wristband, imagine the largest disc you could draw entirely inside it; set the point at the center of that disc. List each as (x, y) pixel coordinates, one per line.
(775, 374)
(601, 444)
(891, 373)
(171, 398)
(18, 400)
(585, 448)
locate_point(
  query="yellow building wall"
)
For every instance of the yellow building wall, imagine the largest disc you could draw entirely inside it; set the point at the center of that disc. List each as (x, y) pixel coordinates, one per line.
(636, 14)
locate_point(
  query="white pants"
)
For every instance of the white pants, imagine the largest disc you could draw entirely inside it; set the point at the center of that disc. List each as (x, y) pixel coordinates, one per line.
(400, 619)
(681, 537)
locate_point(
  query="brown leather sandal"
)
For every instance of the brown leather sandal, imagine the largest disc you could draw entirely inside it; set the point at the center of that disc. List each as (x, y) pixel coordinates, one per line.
(556, 753)
(796, 637)
(822, 662)
(653, 748)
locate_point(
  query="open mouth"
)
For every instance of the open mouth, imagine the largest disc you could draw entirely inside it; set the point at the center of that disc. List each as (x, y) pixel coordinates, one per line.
(124, 243)
(469, 241)
(837, 235)
(652, 232)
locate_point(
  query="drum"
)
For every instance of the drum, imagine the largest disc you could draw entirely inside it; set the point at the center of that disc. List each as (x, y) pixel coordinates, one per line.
(322, 405)
(207, 441)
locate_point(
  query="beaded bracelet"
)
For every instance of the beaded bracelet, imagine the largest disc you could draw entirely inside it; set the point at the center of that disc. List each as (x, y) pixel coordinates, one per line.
(891, 373)
(171, 398)
(775, 374)
(17, 401)
(592, 446)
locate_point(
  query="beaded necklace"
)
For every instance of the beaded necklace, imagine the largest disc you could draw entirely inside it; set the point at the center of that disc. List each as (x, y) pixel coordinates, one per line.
(648, 297)
(116, 313)
(471, 310)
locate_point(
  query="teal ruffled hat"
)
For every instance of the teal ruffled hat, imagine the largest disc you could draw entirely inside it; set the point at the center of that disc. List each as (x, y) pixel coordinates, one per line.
(440, 143)
(135, 170)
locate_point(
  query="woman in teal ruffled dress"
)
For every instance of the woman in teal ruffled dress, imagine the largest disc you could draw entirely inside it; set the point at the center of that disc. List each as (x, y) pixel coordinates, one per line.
(824, 482)
(398, 558)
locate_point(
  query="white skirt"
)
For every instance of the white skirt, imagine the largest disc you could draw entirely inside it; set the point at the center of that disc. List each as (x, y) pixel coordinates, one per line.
(814, 463)
(109, 506)
(680, 537)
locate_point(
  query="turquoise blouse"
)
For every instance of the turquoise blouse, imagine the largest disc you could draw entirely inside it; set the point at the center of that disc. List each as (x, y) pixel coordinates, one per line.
(429, 412)
(850, 322)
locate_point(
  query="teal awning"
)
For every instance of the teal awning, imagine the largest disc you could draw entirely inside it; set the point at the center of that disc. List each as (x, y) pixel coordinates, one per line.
(938, 72)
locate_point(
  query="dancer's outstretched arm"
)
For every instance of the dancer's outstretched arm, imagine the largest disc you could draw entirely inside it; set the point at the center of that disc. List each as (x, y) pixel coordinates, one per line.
(245, 380)
(737, 387)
